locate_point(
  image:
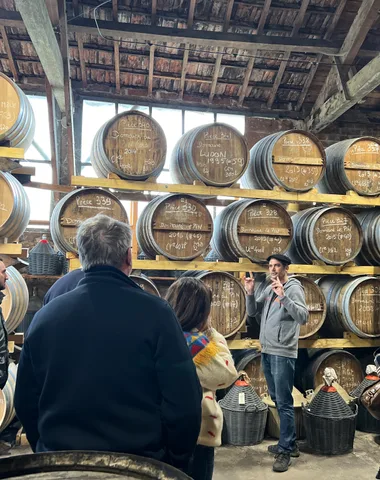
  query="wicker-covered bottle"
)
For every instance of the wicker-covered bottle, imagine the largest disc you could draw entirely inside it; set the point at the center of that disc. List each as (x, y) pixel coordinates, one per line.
(329, 422)
(245, 415)
(366, 422)
(43, 260)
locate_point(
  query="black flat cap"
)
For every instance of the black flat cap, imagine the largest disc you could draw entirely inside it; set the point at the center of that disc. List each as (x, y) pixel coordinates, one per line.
(281, 258)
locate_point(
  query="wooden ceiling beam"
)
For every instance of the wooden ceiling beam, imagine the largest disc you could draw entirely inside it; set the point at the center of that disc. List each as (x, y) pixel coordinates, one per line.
(360, 85)
(8, 49)
(153, 18)
(82, 61)
(116, 48)
(147, 33)
(297, 25)
(220, 51)
(251, 61)
(151, 68)
(115, 10)
(38, 24)
(367, 15)
(190, 21)
(315, 65)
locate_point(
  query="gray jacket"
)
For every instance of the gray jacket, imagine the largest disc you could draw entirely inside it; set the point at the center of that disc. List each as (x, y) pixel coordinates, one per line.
(280, 318)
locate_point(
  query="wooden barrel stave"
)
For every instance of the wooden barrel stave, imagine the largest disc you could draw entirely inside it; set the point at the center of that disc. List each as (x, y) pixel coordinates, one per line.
(77, 206)
(342, 157)
(18, 123)
(353, 305)
(251, 228)
(91, 465)
(251, 364)
(8, 397)
(370, 222)
(346, 366)
(15, 207)
(145, 283)
(299, 170)
(16, 300)
(228, 306)
(215, 154)
(176, 226)
(136, 154)
(332, 235)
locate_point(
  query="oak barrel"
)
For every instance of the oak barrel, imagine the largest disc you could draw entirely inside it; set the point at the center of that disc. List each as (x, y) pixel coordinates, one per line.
(353, 164)
(131, 144)
(315, 302)
(215, 154)
(17, 123)
(294, 160)
(370, 222)
(251, 228)
(145, 283)
(7, 409)
(16, 300)
(250, 362)
(176, 226)
(14, 207)
(348, 369)
(86, 464)
(332, 235)
(353, 305)
(77, 206)
(228, 305)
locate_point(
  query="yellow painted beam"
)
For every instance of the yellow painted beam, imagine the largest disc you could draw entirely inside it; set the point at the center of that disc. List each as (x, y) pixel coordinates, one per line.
(10, 249)
(11, 347)
(10, 152)
(350, 342)
(275, 194)
(243, 266)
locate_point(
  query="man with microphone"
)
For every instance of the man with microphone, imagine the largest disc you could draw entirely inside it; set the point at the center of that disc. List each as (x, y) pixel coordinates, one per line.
(281, 310)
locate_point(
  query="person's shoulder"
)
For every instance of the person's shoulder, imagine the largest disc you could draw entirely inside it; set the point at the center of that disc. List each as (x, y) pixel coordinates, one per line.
(293, 283)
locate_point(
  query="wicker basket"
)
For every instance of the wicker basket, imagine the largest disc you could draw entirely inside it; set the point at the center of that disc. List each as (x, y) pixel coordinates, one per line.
(330, 436)
(43, 260)
(245, 415)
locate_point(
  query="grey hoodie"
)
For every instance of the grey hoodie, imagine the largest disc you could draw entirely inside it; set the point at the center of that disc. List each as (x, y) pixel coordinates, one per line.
(280, 318)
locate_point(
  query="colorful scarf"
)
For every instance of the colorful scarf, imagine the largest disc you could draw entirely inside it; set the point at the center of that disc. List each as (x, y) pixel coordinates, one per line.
(201, 348)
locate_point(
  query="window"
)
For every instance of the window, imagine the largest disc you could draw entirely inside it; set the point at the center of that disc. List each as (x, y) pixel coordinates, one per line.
(141, 108)
(236, 121)
(95, 114)
(196, 119)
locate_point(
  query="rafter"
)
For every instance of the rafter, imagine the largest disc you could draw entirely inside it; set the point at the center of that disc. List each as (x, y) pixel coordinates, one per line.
(220, 51)
(117, 65)
(284, 61)
(367, 14)
(82, 60)
(151, 68)
(358, 87)
(251, 61)
(314, 67)
(115, 9)
(153, 18)
(190, 21)
(7, 46)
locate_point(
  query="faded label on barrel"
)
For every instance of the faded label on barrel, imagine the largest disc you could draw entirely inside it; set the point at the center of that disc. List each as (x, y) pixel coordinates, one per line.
(316, 305)
(219, 154)
(228, 311)
(182, 227)
(135, 144)
(365, 306)
(362, 166)
(336, 236)
(297, 161)
(264, 228)
(9, 105)
(7, 201)
(84, 205)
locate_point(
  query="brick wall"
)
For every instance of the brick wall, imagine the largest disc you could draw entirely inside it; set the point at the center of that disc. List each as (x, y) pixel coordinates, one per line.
(257, 128)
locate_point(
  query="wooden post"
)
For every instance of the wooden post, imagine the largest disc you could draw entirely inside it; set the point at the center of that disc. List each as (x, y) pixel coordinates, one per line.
(52, 114)
(133, 216)
(77, 118)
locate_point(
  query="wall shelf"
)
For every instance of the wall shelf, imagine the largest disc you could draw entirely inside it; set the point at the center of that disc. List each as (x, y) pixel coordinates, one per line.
(312, 196)
(11, 249)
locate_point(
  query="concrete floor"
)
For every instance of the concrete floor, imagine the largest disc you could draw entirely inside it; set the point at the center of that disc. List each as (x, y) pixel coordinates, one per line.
(246, 463)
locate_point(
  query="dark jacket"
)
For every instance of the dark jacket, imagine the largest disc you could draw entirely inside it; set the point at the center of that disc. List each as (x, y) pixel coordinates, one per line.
(106, 367)
(65, 284)
(281, 318)
(4, 356)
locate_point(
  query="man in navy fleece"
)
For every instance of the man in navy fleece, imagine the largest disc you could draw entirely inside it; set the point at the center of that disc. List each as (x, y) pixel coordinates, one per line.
(105, 366)
(63, 285)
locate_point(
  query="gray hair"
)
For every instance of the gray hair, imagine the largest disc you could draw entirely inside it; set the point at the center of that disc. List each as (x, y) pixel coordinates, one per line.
(103, 240)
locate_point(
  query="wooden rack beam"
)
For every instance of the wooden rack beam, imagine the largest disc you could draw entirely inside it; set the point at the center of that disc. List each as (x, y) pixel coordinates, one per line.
(312, 196)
